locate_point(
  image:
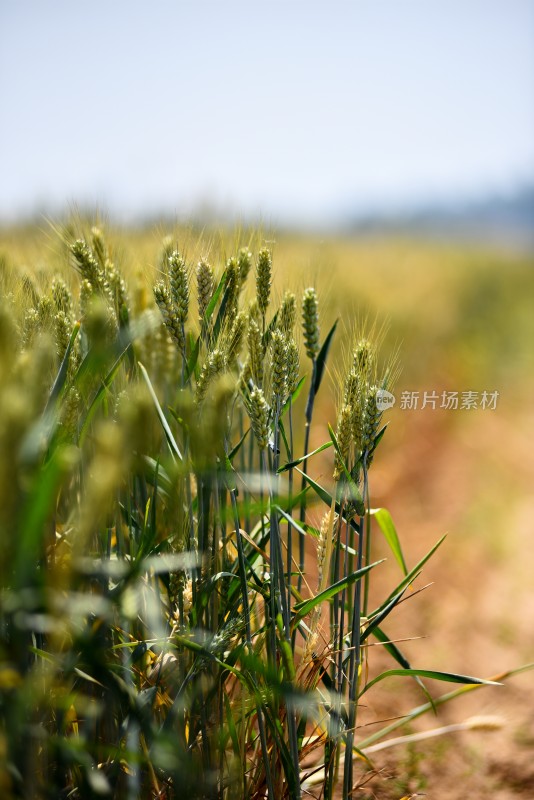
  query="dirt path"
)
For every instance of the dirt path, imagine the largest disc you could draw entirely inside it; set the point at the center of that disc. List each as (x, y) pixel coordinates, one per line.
(473, 481)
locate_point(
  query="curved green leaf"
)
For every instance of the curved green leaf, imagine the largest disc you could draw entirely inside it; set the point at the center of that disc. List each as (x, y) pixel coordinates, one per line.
(448, 677)
(321, 358)
(439, 701)
(306, 606)
(193, 359)
(400, 658)
(375, 622)
(215, 297)
(385, 522)
(294, 396)
(297, 461)
(175, 450)
(61, 377)
(326, 497)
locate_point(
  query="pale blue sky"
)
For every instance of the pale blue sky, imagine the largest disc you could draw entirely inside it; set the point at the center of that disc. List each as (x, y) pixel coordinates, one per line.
(292, 110)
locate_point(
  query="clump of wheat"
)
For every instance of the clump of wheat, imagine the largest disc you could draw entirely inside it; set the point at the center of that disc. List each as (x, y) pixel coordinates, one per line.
(163, 635)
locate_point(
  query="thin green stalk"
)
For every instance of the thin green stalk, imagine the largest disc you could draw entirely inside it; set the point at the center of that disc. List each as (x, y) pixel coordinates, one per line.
(188, 492)
(290, 499)
(276, 543)
(270, 607)
(213, 549)
(367, 556)
(308, 416)
(336, 622)
(248, 634)
(285, 609)
(244, 469)
(220, 769)
(329, 767)
(354, 659)
(344, 602)
(331, 750)
(219, 522)
(183, 353)
(118, 526)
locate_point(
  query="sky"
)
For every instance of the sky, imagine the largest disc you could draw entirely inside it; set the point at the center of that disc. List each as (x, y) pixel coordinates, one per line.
(288, 111)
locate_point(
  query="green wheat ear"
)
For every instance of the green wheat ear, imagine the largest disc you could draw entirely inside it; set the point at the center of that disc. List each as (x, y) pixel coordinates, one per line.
(70, 411)
(371, 419)
(214, 365)
(310, 322)
(205, 284)
(293, 366)
(364, 359)
(171, 320)
(264, 269)
(91, 271)
(30, 328)
(86, 293)
(344, 440)
(255, 350)
(62, 332)
(351, 388)
(354, 397)
(278, 367)
(45, 310)
(118, 292)
(86, 263)
(100, 248)
(62, 297)
(288, 313)
(244, 262)
(179, 284)
(234, 338)
(232, 288)
(259, 417)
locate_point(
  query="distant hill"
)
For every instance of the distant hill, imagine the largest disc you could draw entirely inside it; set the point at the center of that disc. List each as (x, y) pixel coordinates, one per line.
(497, 219)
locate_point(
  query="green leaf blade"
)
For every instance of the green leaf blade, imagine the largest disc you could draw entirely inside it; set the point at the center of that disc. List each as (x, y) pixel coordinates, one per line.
(447, 677)
(387, 526)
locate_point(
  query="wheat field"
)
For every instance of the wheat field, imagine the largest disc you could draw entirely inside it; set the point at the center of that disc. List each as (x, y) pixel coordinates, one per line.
(217, 535)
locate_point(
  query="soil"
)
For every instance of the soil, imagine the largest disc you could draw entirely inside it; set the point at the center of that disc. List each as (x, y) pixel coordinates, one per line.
(470, 478)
